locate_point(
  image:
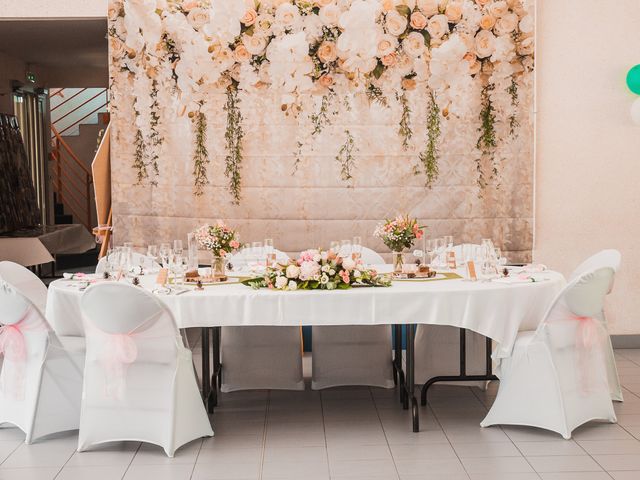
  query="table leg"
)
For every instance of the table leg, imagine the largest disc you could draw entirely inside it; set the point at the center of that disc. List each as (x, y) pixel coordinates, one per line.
(410, 379)
(463, 377)
(398, 370)
(217, 366)
(206, 368)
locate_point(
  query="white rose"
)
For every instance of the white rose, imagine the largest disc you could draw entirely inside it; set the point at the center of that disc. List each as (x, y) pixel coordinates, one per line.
(292, 285)
(454, 11)
(287, 15)
(117, 47)
(309, 270)
(498, 9)
(263, 24)
(324, 279)
(386, 44)
(428, 7)
(526, 47)
(438, 26)
(485, 43)
(332, 272)
(317, 258)
(506, 24)
(292, 271)
(357, 274)
(281, 282)
(395, 23)
(329, 14)
(413, 45)
(114, 9)
(348, 264)
(527, 24)
(255, 44)
(325, 268)
(198, 18)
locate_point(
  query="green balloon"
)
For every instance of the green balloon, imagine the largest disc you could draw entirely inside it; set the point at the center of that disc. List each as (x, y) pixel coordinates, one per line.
(633, 79)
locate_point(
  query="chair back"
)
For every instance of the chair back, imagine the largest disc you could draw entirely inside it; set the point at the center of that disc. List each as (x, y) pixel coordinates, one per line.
(605, 258)
(371, 257)
(13, 304)
(26, 282)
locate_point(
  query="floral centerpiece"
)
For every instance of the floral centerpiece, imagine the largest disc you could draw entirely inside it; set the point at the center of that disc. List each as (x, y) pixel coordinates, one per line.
(220, 240)
(398, 234)
(319, 270)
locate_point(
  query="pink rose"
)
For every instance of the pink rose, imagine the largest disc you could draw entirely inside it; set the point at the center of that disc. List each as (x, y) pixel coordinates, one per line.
(389, 60)
(418, 20)
(234, 244)
(345, 276)
(326, 80)
(249, 17)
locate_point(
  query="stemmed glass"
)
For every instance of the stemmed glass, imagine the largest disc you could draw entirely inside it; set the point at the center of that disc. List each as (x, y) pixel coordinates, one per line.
(255, 256)
(335, 247)
(345, 248)
(177, 268)
(177, 247)
(356, 248)
(270, 255)
(164, 254)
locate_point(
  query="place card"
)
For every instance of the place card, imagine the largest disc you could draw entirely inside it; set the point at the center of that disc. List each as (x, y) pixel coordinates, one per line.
(163, 276)
(471, 270)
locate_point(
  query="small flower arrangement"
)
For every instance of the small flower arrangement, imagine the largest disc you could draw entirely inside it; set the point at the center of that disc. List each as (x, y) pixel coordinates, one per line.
(219, 239)
(399, 233)
(319, 270)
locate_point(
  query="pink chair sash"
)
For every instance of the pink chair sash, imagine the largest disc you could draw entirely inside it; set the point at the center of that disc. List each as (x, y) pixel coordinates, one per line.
(589, 343)
(14, 349)
(117, 353)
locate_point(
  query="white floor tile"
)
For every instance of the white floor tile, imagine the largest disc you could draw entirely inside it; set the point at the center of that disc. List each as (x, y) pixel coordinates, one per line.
(226, 471)
(115, 454)
(422, 452)
(611, 447)
(496, 465)
(569, 463)
(547, 448)
(612, 463)
(159, 472)
(626, 475)
(47, 473)
(344, 468)
(439, 466)
(295, 470)
(575, 476)
(93, 472)
(486, 449)
(295, 455)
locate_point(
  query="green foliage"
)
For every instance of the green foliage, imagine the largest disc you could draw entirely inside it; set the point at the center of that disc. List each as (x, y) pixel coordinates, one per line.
(233, 135)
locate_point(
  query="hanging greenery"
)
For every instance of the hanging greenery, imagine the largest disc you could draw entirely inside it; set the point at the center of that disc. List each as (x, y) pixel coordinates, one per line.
(515, 101)
(155, 138)
(345, 156)
(200, 153)
(430, 154)
(487, 141)
(139, 163)
(404, 127)
(233, 135)
(321, 119)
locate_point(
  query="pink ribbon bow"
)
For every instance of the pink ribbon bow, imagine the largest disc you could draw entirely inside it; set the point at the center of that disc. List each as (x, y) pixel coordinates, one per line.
(589, 338)
(14, 349)
(120, 350)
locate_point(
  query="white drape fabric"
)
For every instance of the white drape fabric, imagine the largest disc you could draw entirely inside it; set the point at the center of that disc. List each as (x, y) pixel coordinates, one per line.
(40, 385)
(26, 282)
(352, 355)
(139, 381)
(260, 357)
(556, 377)
(605, 258)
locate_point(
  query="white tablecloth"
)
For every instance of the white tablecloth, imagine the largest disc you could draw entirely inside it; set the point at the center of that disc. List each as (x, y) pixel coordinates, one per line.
(493, 309)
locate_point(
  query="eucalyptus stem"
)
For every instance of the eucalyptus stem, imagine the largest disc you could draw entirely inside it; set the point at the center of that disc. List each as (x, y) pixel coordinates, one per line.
(233, 135)
(487, 141)
(155, 139)
(345, 156)
(515, 101)
(404, 127)
(139, 163)
(429, 157)
(321, 119)
(200, 153)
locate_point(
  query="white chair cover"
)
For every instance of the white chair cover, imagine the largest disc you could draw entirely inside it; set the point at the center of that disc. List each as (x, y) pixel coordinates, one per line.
(136, 259)
(26, 282)
(612, 259)
(256, 358)
(40, 386)
(353, 355)
(556, 377)
(437, 350)
(139, 382)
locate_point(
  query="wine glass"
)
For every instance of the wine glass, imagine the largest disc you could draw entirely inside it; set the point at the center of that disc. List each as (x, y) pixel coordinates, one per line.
(255, 255)
(345, 248)
(270, 255)
(356, 248)
(164, 252)
(152, 251)
(177, 267)
(335, 247)
(177, 247)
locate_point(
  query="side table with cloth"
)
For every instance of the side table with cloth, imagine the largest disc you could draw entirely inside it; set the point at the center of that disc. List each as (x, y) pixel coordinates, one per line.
(495, 310)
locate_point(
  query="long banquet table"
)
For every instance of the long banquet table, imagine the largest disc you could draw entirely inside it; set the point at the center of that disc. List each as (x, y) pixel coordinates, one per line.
(496, 310)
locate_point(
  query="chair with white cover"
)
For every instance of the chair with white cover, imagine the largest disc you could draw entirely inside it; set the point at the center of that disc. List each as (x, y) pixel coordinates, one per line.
(556, 378)
(260, 357)
(437, 349)
(353, 355)
(40, 386)
(26, 282)
(605, 258)
(139, 381)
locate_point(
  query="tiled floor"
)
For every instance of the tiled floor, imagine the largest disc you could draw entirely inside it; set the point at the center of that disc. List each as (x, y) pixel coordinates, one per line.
(351, 434)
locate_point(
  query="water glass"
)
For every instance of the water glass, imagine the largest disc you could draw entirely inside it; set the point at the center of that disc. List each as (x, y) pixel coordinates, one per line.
(356, 248)
(164, 252)
(270, 254)
(335, 247)
(345, 248)
(177, 247)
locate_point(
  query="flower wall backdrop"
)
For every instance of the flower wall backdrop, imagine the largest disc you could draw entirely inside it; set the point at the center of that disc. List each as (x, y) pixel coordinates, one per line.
(309, 121)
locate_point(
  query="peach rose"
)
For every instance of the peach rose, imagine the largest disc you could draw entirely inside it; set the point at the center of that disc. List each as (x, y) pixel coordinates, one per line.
(386, 45)
(428, 7)
(198, 17)
(418, 20)
(388, 5)
(526, 47)
(330, 15)
(487, 22)
(255, 44)
(408, 83)
(438, 26)
(326, 80)
(389, 60)
(474, 63)
(327, 52)
(117, 47)
(323, 3)
(506, 24)
(453, 11)
(498, 9)
(485, 43)
(482, 3)
(395, 23)
(249, 17)
(113, 12)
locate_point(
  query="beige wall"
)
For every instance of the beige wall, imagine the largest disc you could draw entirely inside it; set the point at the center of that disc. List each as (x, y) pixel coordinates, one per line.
(588, 150)
(26, 9)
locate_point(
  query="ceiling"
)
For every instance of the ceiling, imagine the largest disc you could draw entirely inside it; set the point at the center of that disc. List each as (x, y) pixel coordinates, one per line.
(56, 43)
